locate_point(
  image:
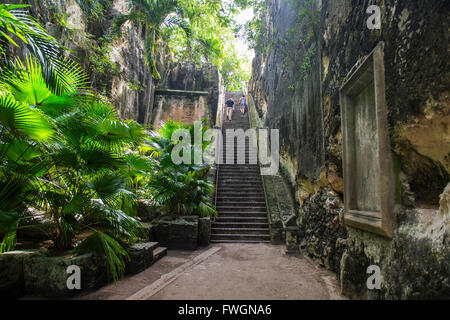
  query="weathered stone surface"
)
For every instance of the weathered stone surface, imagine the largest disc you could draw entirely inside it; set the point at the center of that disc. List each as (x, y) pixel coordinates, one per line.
(12, 282)
(189, 77)
(307, 112)
(445, 202)
(319, 232)
(126, 81)
(204, 231)
(176, 232)
(141, 257)
(47, 277)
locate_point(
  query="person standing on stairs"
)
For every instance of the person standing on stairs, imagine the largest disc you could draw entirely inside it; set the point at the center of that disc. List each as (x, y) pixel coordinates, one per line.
(243, 104)
(229, 105)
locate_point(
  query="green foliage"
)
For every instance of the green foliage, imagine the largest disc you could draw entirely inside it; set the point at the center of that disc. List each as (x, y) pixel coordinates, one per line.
(182, 189)
(94, 8)
(63, 151)
(256, 30)
(110, 248)
(16, 24)
(136, 85)
(154, 15)
(212, 38)
(100, 59)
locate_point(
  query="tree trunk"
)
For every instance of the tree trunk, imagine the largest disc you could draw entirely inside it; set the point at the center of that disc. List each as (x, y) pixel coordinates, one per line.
(149, 106)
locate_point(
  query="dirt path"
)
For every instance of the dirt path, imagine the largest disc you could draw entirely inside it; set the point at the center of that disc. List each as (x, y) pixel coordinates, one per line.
(227, 272)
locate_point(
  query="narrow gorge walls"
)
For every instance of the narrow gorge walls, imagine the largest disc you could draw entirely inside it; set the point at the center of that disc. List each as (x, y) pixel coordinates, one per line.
(117, 68)
(307, 49)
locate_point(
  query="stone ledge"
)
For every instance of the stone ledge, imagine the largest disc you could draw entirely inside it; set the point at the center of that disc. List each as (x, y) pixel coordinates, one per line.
(33, 273)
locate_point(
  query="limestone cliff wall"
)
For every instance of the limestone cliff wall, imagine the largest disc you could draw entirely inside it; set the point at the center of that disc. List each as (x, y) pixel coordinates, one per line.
(115, 65)
(297, 75)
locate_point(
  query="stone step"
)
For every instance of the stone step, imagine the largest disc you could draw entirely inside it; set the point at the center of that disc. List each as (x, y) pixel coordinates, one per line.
(255, 181)
(243, 231)
(229, 191)
(240, 241)
(158, 253)
(250, 208)
(242, 177)
(241, 204)
(238, 188)
(246, 167)
(251, 224)
(243, 197)
(245, 183)
(252, 237)
(237, 171)
(240, 194)
(241, 214)
(232, 220)
(239, 168)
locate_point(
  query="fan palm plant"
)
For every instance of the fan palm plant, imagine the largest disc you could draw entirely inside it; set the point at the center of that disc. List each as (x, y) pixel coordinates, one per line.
(180, 188)
(18, 28)
(154, 15)
(65, 152)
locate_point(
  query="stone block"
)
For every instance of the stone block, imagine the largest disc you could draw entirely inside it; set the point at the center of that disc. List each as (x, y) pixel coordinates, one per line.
(176, 232)
(12, 284)
(141, 257)
(204, 231)
(47, 276)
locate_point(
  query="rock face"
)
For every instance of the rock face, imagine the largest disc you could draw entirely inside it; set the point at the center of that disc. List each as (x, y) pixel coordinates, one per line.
(176, 96)
(116, 66)
(323, 238)
(297, 74)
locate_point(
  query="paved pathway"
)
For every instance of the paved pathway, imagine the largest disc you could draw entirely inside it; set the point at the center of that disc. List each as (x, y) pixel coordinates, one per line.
(226, 272)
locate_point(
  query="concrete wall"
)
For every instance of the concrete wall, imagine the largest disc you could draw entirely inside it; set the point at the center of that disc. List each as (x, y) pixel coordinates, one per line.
(295, 84)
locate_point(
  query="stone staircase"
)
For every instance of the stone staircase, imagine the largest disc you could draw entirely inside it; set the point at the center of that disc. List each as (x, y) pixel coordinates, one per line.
(241, 203)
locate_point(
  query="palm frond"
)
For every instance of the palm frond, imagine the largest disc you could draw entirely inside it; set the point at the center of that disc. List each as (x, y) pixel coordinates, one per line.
(20, 118)
(28, 85)
(111, 249)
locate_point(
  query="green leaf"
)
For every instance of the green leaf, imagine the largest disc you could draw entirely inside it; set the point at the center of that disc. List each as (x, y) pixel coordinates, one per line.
(21, 118)
(111, 249)
(8, 221)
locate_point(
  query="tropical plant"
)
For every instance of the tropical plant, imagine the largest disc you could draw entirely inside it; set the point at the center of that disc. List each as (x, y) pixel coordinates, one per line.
(17, 28)
(154, 15)
(183, 189)
(65, 151)
(212, 38)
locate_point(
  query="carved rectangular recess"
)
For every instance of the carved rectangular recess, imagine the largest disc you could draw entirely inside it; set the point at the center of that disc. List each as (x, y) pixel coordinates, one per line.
(369, 184)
